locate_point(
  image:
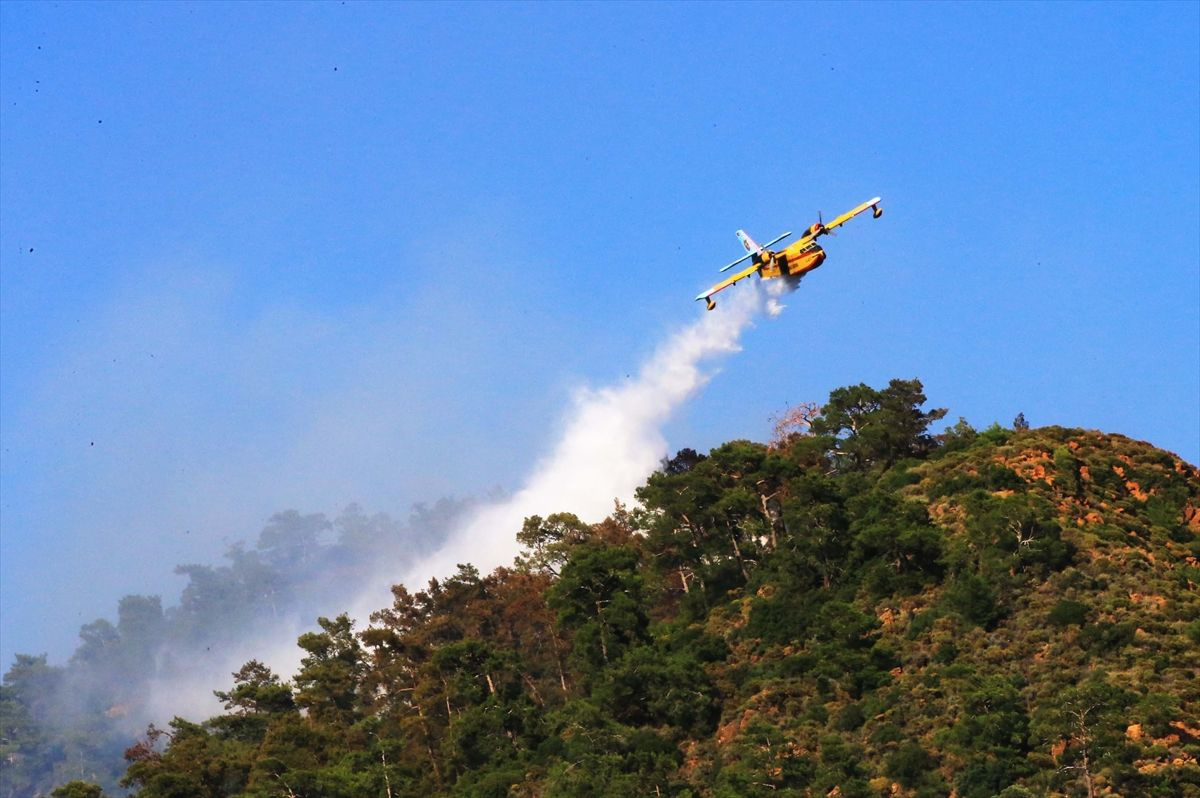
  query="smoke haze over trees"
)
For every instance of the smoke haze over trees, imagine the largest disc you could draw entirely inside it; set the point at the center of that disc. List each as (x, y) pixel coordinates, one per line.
(155, 661)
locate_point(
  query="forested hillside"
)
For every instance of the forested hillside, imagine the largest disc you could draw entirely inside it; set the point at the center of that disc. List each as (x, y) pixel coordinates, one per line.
(859, 608)
(75, 721)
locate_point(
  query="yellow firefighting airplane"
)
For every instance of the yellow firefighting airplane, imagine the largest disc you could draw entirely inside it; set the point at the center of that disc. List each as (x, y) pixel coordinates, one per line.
(800, 257)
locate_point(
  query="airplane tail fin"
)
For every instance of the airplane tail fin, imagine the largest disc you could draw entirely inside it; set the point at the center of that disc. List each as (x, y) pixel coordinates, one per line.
(748, 242)
(752, 248)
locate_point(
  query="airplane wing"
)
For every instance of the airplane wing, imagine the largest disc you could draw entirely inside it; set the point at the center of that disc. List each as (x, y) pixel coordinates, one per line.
(871, 204)
(850, 214)
(728, 281)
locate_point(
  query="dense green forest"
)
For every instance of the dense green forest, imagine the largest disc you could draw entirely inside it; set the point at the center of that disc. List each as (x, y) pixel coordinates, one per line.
(859, 608)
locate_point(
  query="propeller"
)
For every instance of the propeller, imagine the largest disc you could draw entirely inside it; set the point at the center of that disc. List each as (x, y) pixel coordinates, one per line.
(824, 230)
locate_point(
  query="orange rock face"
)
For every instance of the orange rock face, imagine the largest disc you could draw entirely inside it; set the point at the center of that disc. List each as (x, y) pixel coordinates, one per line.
(1191, 516)
(1141, 598)
(1136, 491)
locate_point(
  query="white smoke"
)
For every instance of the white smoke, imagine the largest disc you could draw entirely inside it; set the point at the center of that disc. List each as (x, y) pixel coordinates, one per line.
(187, 691)
(611, 442)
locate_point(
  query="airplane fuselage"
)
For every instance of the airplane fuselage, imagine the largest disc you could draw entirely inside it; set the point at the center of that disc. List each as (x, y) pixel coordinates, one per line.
(795, 261)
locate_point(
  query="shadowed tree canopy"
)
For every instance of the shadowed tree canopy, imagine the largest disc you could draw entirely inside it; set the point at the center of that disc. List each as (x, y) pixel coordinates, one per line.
(877, 427)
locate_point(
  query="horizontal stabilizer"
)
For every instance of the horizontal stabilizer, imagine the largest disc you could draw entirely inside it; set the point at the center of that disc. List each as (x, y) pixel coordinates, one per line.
(748, 242)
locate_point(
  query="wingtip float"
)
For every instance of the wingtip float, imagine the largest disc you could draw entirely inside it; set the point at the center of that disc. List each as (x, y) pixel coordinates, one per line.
(797, 259)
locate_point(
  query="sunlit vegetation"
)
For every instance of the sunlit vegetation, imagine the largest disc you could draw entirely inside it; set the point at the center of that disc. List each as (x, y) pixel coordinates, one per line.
(861, 608)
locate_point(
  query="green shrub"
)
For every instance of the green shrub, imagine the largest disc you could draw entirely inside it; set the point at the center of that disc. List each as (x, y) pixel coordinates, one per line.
(1104, 636)
(850, 718)
(1068, 613)
(909, 764)
(973, 599)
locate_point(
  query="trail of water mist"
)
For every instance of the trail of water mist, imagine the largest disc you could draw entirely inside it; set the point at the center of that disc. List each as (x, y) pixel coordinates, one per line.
(611, 442)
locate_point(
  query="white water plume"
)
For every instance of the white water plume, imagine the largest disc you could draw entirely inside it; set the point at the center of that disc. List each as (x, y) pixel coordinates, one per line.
(611, 442)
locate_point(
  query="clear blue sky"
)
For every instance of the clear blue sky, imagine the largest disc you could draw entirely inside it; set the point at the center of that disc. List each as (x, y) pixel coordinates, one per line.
(255, 257)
